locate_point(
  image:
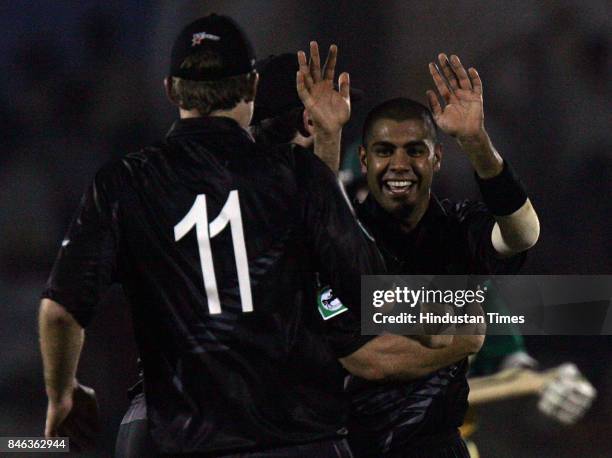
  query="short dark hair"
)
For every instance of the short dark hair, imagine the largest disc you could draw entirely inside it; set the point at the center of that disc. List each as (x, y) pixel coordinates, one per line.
(399, 109)
(282, 128)
(209, 96)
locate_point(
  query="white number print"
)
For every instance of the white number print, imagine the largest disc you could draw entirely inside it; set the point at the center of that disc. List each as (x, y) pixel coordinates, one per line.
(230, 213)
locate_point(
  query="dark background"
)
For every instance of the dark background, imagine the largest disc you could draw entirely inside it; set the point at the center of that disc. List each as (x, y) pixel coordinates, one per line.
(83, 84)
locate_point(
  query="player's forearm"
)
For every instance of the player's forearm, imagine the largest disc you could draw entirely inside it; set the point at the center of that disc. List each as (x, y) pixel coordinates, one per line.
(428, 360)
(327, 148)
(392, 357)
(516, 232)
(517, 226)
(61, 340)
(434, 341)
(483, 156)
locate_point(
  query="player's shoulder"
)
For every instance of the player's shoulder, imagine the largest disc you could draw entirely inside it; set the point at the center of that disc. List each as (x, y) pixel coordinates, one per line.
(114, 174)
(309, 167)
(462, 211)
(303, 163)
(143, 157)
(285, 152)
(109, 176)
(307, 157)
(290, 151)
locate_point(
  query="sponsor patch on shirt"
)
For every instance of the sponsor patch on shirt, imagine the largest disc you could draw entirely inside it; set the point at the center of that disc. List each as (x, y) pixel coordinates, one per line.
(329, 305)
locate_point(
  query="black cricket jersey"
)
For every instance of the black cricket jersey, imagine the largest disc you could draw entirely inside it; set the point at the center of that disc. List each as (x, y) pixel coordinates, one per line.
(216, 241)
(397, 418)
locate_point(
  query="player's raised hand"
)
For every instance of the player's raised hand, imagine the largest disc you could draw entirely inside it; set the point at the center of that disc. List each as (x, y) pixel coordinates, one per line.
(76, 418)
(461, 114)
(329, 109)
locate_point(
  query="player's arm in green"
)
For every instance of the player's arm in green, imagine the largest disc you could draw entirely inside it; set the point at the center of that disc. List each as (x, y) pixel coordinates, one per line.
(462, 117)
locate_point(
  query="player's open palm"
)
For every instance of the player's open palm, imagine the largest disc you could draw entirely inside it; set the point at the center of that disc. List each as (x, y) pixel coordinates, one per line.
(329, 109)
(462, 115)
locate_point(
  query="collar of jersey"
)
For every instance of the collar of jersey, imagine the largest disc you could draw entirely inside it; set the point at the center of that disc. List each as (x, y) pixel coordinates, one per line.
(386, 228)
(206, 125)
(371, 210)
(384, 225)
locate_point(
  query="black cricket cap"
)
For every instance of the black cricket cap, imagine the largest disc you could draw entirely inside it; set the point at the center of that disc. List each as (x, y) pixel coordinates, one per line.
(276, 91)
(216, 34)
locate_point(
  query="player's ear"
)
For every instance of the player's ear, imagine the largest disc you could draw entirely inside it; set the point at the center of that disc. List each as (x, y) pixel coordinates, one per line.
(437, 157)
(168, 89)
(363, 159)
(308, 124)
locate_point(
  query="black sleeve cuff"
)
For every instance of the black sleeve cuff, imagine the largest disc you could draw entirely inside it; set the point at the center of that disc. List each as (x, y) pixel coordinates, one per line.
(82, 315)
(503, 194)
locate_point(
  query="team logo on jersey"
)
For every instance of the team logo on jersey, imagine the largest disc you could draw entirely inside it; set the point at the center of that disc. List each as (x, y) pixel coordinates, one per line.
(329, 304)
(197, 38)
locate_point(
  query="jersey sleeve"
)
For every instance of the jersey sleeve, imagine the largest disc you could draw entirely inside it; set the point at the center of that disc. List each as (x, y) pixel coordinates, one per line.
(341, 247)
(477, 223)
(86, 263)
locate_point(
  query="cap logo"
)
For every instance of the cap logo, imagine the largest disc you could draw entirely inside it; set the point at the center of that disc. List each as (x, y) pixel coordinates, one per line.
(200, 36)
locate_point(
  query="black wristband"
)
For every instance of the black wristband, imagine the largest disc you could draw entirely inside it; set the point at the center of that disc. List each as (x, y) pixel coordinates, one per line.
(503, 194)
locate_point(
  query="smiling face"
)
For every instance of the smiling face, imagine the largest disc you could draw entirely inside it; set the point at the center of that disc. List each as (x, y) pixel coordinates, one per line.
(400, 159)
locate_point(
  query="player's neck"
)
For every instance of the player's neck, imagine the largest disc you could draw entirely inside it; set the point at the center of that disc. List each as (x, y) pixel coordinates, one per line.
(241, 113)
(410, 220)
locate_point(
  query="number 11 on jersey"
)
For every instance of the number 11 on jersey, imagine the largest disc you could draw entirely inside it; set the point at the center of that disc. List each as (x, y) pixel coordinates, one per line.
(230, 213)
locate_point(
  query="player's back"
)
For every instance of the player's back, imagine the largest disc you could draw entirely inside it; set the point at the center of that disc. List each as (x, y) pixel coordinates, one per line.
(216, 255)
